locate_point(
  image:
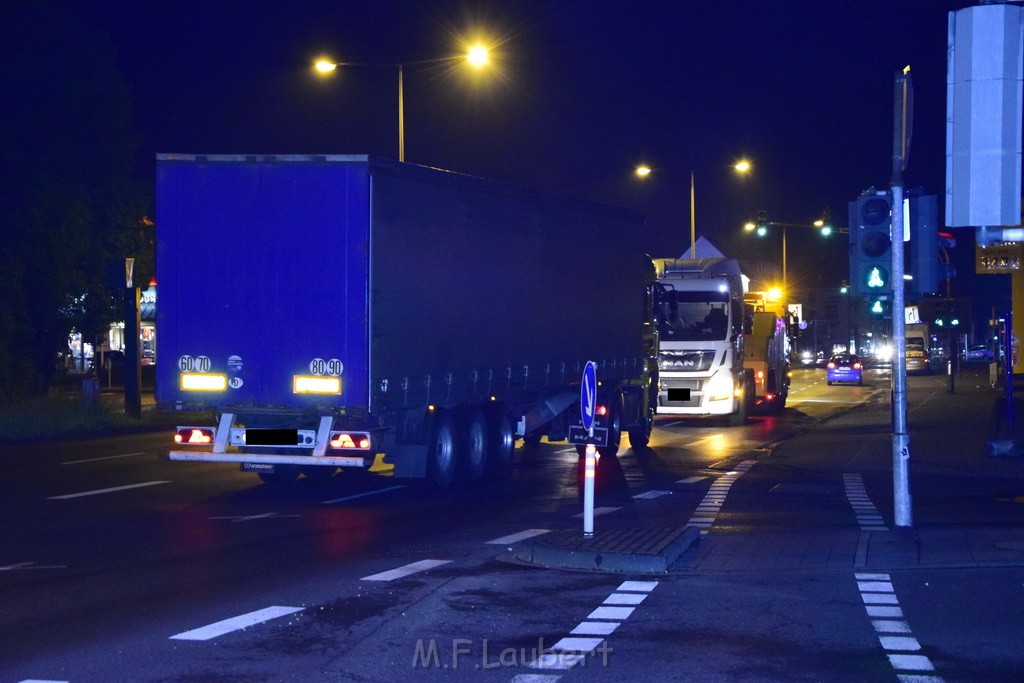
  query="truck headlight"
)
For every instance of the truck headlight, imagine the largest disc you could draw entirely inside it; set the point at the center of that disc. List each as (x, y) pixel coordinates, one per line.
(719, 387)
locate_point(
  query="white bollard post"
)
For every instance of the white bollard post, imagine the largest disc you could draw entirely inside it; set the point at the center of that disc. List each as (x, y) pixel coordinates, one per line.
(589, 472)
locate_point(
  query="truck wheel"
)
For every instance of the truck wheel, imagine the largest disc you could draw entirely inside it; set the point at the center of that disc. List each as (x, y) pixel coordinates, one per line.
(473, 440)
(501, 446)
(441, 451)
(738, 417)
(641, 436)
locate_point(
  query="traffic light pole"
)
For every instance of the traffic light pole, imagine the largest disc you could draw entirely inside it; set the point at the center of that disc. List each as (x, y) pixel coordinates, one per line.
(900, 437)
(902, 118)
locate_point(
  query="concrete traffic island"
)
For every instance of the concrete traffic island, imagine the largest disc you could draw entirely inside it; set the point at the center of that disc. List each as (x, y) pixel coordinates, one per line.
(638, 551)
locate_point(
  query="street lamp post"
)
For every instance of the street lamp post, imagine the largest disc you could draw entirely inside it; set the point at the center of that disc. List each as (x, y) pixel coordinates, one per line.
(477, 56)
(761, 228)
(643, 171)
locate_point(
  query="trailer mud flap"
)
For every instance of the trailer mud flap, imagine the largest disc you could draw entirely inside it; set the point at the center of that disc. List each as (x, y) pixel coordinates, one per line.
(578, 435)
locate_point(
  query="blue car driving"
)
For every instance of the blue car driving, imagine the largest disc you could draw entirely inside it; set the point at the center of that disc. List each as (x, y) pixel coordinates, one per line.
(844, 367)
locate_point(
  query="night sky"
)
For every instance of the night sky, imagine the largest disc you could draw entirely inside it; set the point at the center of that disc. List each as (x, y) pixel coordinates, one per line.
(579, 93)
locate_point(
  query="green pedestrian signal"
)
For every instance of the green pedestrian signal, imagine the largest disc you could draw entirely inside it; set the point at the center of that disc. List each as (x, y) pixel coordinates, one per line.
(876, 278)
(870, 242)
(877, 307)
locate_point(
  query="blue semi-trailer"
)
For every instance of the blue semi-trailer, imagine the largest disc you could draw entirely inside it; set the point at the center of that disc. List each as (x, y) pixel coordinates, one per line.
(331, 308)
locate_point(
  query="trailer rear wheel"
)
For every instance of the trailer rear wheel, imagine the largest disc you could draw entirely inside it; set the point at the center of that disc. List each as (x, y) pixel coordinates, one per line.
(441, 451)
(501, 446)
(473, 440)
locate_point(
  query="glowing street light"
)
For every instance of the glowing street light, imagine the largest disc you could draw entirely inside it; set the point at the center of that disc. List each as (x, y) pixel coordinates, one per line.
(477, 56)
(643, 170)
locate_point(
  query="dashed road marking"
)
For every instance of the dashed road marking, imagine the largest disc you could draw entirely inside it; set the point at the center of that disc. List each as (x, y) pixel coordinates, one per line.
(521, 536)
(30, 565)
(893, 631)
(236, 623)
(867, 515)
(599, 511)
(406, 570)
(106, 457)
(691, 480)
(574, 648)
(707, 511)
(249, 518)
(113, 489)
(364, 495)
(651, 495)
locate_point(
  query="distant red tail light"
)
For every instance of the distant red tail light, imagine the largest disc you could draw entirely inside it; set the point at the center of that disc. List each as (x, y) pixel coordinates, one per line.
(856, 366)
(831, 365)
(602, 410)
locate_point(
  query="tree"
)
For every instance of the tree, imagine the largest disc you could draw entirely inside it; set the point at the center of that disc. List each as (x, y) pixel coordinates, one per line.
(67, 150)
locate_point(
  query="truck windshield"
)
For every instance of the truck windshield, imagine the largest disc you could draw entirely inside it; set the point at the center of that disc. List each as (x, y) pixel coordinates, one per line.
(693, 316)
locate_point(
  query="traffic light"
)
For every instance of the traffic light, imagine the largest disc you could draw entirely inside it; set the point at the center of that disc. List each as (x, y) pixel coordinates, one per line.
(924, 244)
(871, 243)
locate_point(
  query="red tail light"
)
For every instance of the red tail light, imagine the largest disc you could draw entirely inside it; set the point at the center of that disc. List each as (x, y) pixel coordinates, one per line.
(856, 366)
(831, 365)
(602, 410)
(194, 435)
(359, 441)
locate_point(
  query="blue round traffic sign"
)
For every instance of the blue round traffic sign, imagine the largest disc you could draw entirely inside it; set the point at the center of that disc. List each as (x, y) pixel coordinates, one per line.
(588, 395)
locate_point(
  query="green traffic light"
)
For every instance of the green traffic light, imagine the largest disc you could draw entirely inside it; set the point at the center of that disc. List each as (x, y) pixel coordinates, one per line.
(876, 277)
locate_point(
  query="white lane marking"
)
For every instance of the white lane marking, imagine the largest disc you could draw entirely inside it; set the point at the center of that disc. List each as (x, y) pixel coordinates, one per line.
(868, 516)
(690, 480)
(110, 490)
(31, 565)
(890, 626)
(599, 511)
(405, 570)
(911, 663)
(363, 495)
(651, 495)
(638, 586)
(562, 451)
(878, 589)
(106, 457)
(616, 613)
(521, 536)
(40, 680)
(918, 678)
(624, 599)
(534, 678)
(576, 644)
(575, 648)
(559, 661)
(235, 623)
(249, 518)
(595, 628)
(707, 510)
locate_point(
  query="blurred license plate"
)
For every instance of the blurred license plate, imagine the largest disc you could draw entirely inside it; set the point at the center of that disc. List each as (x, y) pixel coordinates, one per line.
(679, 394)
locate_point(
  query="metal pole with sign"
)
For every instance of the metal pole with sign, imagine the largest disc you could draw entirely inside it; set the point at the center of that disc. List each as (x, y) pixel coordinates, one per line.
(588, 407)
